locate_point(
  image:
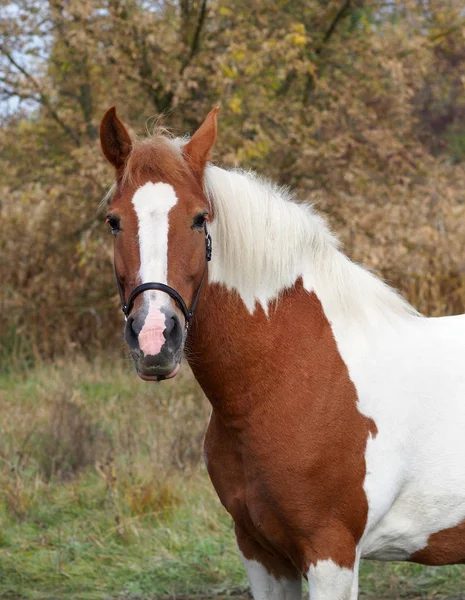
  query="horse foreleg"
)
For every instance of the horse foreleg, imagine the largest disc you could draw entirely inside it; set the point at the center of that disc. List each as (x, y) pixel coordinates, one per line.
(329, 581)
(270, 577)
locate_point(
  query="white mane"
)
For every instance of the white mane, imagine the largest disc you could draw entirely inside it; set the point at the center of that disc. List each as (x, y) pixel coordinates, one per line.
(263, 241)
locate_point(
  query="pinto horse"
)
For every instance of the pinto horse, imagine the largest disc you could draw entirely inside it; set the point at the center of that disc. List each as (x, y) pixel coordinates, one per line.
(338, 424)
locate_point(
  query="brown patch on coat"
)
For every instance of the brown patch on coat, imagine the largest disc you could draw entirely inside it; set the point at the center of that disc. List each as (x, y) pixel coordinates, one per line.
(286, 444)
(446, 547)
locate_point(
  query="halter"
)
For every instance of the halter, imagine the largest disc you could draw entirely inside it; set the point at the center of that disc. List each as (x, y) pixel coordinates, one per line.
(162, 287)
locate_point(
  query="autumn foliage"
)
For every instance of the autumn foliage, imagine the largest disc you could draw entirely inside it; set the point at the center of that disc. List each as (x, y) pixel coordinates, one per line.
(358, 105)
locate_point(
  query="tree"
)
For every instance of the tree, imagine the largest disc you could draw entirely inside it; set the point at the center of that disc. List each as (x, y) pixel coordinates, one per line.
(339, 99)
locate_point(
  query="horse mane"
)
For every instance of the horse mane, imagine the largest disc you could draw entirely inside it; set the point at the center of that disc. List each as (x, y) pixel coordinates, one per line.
(265, 241)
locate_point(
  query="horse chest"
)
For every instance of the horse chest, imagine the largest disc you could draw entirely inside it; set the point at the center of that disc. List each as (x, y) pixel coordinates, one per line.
(283, 490)
(241, 490)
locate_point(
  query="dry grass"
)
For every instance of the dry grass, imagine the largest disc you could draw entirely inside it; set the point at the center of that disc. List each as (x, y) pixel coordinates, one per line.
(102, 487)
(77, 414)
(103, 493)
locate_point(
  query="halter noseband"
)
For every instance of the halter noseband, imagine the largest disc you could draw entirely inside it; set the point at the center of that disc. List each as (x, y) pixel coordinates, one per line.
(162, 287)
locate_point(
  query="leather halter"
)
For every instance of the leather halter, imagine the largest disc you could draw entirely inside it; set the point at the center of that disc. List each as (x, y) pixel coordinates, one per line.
(162, 287)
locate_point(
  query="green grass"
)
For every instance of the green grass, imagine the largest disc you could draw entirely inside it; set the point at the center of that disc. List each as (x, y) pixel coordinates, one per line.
(77, 542)
(103, 494)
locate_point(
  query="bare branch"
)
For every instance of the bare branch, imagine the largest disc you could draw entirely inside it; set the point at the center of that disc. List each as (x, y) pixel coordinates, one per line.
(339, 16)
(196, 38)
(310, 81)
(44, 99)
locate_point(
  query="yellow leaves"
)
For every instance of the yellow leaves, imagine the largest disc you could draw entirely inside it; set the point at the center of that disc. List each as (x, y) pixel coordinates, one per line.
(365, 22)
(235, 104)
(297, 39)
(229, 71)
(255, 149)
(311, 69)
(225, 11)
(239, 55)
(298, 35)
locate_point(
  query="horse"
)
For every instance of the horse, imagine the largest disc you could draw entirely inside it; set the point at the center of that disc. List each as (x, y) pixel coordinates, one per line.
(338, 411)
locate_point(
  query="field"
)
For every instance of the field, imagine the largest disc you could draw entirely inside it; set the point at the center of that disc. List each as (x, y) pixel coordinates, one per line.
(104, 494)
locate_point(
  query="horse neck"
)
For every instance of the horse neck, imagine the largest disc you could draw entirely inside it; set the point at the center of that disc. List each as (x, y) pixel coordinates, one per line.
(263, 242)
(275, 281)
(241, 358)
(247, 361)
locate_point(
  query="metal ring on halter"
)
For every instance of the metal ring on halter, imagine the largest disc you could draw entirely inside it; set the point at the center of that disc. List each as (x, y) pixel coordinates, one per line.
(162, 287)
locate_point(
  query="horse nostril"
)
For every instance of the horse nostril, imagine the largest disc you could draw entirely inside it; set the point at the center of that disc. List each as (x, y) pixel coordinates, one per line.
(170, 324)
(131, 333)
(132, 325)
(173, 330)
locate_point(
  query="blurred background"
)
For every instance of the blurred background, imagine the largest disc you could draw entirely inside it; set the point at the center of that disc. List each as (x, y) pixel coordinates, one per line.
(357, 105)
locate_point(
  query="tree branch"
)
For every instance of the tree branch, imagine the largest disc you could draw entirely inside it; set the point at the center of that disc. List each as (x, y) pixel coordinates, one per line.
(196, 39)
(339, 16)
(434, 39)
(310, 81)
(44, 100)
(291, 76)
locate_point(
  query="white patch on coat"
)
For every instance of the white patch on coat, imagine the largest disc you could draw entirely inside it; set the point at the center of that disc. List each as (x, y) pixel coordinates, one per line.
(263, 241)
(152, 203)
(408, 370)
(328, 581)
(410, 380)
(265, 586)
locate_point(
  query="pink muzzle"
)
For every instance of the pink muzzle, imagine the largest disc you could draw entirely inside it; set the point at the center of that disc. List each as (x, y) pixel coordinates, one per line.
(151, 338)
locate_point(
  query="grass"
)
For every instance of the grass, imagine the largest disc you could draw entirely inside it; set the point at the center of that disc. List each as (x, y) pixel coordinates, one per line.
(103, 494)
(79, 543)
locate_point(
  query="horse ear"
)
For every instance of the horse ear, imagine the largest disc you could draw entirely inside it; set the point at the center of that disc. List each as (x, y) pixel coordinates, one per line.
(115, 140)
(197, 150)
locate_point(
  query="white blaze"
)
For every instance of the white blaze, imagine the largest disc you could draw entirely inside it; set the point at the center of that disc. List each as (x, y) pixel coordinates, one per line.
(152, 203)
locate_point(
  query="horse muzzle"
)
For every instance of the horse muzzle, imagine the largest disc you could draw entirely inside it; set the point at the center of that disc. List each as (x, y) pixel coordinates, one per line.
(155, 341)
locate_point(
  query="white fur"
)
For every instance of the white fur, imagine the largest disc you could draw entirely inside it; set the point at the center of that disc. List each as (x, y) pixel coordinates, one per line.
(266, 587)
(411, 381)
(264, 241)
(152, 203)
(408, 370)
(328, 581)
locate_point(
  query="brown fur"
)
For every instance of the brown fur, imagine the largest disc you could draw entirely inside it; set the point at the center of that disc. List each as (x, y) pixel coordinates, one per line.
(285, 453)
(446, 547)
(154, 159)
(116, 143)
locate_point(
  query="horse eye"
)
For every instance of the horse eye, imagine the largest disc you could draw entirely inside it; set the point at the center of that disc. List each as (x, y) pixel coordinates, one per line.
(114, 224)
(199, 221)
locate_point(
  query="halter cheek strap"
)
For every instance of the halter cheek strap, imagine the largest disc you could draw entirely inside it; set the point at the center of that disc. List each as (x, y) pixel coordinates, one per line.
(162, 287)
